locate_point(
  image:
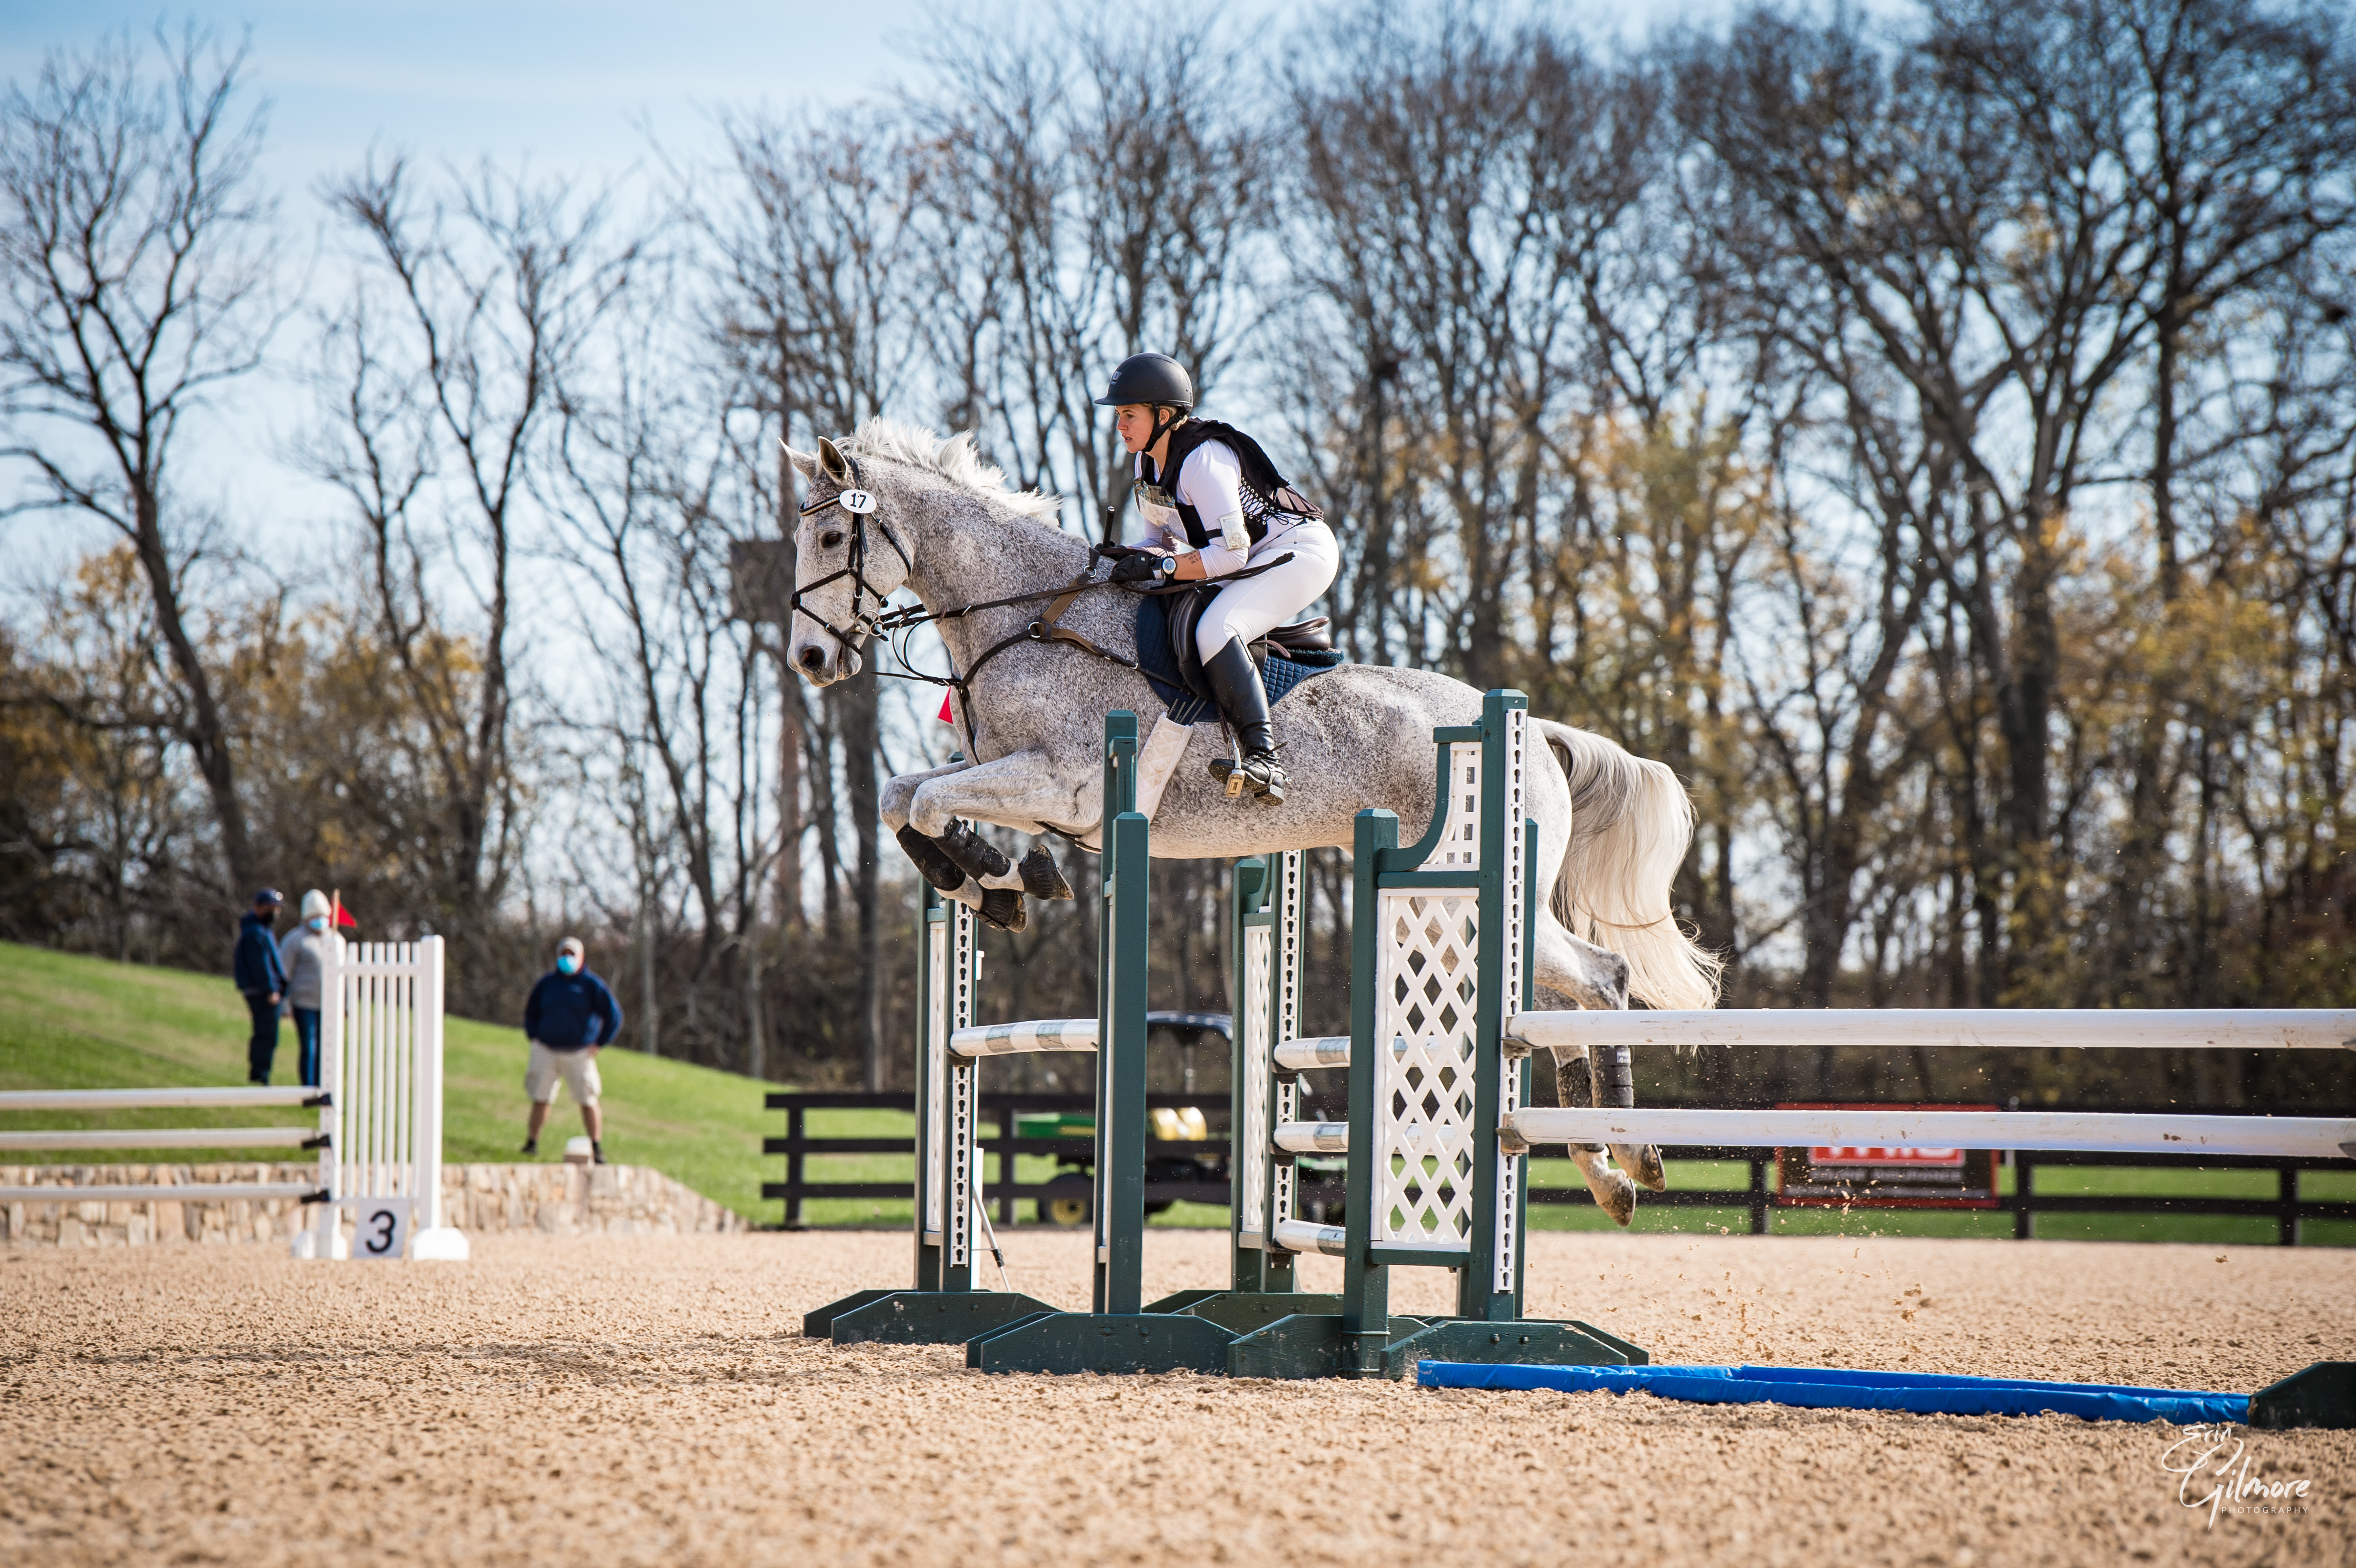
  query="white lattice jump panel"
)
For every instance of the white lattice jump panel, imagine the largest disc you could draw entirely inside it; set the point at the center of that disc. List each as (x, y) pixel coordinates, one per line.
(1427, 958)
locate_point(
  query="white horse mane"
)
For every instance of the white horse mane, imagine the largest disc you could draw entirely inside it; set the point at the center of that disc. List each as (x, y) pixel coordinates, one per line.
(955, 459)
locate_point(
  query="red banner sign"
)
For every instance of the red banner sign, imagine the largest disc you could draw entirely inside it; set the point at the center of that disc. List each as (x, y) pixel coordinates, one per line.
(1837, 1176)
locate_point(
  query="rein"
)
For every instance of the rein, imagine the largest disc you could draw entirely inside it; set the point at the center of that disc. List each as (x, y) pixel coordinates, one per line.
(894, 627)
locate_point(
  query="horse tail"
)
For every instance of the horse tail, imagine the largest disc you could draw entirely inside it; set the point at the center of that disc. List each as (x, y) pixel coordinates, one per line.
(1630, 823)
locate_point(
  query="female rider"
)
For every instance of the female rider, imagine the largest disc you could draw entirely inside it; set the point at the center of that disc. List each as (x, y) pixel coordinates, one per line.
(1214, 504)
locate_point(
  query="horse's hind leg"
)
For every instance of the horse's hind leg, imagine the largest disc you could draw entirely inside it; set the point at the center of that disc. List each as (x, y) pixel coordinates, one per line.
(1596, 977)
(1615, 1090)
(1612, 1191)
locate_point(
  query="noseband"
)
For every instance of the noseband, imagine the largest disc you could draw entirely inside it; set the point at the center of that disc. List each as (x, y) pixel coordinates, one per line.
(859, 504)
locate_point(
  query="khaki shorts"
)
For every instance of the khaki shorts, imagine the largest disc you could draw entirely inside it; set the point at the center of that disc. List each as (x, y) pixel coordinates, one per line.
(577, 1068)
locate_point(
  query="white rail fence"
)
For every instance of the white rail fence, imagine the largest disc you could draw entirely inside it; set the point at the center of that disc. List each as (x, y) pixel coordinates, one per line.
(1939, 1028)
(379, 1134)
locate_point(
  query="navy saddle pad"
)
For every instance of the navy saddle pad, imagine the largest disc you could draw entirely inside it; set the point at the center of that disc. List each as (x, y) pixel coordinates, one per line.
(1159, 661)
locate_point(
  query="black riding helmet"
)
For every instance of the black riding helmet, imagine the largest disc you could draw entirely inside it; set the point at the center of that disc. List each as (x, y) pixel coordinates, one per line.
(1154, 379)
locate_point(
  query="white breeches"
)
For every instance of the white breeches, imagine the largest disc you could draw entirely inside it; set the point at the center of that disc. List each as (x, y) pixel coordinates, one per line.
(1250, 608)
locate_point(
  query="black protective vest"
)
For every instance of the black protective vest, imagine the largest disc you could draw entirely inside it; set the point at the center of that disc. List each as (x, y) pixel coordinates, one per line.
(1264, 491)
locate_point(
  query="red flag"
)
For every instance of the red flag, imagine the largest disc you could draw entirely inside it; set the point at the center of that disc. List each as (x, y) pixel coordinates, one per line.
(946, 717)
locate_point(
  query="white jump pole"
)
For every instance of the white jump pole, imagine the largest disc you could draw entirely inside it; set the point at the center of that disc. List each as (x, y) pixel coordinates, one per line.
(2000, 1028)
(155, 1099)
(1032, 1037)
(2284, 1137)
(172, 1099)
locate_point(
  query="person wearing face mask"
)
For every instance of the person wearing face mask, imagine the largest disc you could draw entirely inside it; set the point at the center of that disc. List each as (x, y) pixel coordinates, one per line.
(569, 1017)
(302, 954)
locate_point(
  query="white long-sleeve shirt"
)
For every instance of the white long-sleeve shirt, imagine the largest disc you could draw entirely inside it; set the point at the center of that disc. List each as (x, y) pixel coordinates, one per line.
(1211, 480)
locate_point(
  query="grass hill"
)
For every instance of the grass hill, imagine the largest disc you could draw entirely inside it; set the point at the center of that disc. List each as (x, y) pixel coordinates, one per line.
(70, 1022)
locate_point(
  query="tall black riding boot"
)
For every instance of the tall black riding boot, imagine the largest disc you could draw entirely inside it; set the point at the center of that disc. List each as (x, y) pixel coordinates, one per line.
(1234, 680)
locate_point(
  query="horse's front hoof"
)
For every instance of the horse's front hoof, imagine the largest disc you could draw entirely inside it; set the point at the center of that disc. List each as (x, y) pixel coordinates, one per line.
(1004, 908)
(1041, 877)
(931, 863)
(976, 856)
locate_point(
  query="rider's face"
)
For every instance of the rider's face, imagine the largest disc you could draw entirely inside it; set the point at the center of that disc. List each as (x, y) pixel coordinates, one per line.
(1135, 423)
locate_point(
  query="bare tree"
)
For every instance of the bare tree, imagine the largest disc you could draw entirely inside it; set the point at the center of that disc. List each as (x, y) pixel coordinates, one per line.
(1455, 181)
(136, 262)
(644, 500)
(810, 320)
(474, 306)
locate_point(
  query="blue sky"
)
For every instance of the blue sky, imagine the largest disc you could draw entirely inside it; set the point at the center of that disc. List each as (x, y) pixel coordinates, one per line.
(572, 89)
(567, 85)
(575, 88)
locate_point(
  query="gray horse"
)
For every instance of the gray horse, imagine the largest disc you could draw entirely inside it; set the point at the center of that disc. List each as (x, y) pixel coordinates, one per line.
(893, 508)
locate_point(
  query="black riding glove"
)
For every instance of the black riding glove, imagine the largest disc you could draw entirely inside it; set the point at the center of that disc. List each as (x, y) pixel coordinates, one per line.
(1142, 567)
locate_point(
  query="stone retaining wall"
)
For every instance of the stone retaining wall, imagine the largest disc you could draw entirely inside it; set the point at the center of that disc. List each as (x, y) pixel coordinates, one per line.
(553, 1200)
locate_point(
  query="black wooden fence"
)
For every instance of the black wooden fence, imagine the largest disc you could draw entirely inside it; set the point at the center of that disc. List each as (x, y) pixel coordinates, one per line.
(1207, 1181)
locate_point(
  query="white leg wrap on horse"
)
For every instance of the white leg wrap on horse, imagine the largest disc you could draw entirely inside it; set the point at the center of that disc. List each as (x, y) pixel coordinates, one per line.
(1158, 761)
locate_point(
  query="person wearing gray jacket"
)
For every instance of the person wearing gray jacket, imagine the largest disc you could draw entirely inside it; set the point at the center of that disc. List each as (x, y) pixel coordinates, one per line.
(302, 954)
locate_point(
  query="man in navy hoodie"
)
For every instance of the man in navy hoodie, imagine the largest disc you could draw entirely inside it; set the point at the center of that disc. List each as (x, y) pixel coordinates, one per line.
(262, 978)
(568, 1018)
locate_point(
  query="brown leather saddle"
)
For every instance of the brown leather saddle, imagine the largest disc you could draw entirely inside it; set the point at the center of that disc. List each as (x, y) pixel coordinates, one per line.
(1307, 641)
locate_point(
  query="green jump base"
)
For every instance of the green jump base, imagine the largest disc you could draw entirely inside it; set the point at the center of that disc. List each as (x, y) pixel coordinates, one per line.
(1312, 1345)
(818, 1323)
(1249, 1311)
(925, 1316)
(1093, 1342)
(2322, 1395)
(1181, 1301)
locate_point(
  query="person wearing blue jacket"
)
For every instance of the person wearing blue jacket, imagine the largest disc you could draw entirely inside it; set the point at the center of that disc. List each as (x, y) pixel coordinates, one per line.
(262, 979)
(568, 1018)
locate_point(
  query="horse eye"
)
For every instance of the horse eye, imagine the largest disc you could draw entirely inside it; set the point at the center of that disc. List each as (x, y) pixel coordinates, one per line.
(831, 538)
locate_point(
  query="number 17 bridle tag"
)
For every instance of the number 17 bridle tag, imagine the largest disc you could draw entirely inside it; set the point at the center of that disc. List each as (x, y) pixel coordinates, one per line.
(380, 1226)
(859, 501)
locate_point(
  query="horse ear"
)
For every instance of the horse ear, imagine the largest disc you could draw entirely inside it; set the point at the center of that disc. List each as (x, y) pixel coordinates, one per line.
(831, 458)
(804, 464)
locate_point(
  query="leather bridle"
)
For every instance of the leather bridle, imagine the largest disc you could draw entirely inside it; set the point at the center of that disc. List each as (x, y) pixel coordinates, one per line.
(859, 503)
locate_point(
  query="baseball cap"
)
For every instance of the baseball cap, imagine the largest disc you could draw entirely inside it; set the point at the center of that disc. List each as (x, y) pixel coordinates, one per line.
(570, 944)
(270, 896)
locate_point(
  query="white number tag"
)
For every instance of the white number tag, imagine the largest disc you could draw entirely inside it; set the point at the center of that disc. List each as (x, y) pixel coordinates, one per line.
(379, 1227)
(860, 501)
(1160, 513)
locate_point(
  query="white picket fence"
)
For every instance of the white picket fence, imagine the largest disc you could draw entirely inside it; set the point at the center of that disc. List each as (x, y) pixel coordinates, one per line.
(379, 1136)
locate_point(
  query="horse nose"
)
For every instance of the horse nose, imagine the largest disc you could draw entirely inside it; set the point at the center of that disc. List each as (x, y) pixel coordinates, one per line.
(813, 659)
